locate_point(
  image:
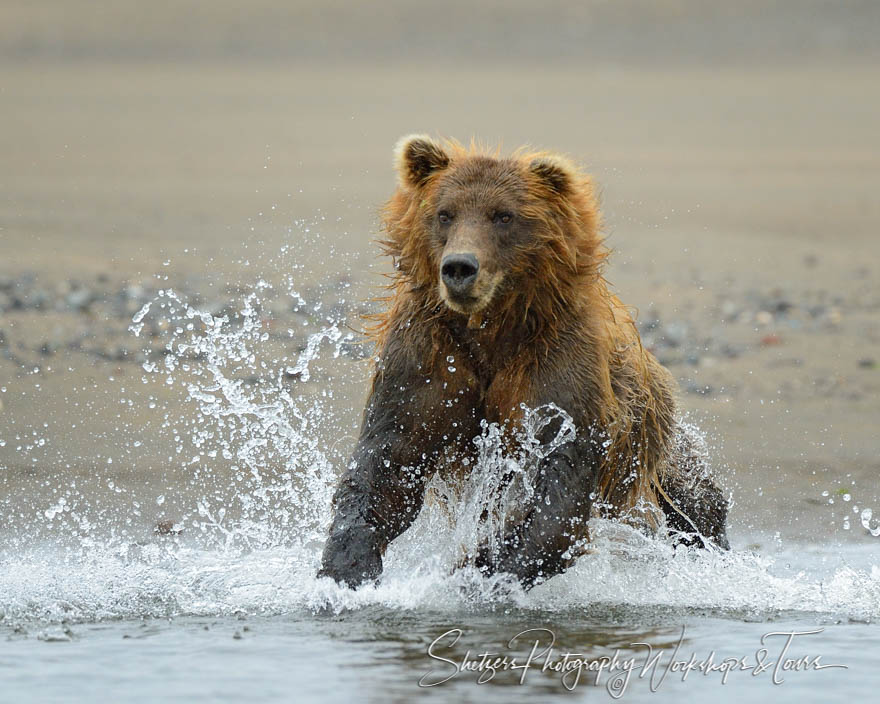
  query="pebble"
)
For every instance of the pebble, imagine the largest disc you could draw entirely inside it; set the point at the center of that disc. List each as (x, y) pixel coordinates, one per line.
(730, 350)
(78, 299)
(134, 293)
(40, 298)
(867, 363)
(729, 310)
(763, 318)
(834, 316)
(168, 527)
(675, 333)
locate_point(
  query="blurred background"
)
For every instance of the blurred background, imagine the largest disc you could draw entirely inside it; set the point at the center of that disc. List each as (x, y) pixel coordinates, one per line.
(208, 146)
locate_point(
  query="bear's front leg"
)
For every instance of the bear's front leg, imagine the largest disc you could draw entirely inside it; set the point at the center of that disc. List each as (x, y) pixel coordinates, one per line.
(541, 545)
(377, 499)
(406, 423)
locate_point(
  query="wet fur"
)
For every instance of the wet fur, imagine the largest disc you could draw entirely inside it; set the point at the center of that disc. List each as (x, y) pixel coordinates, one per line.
(550, 332)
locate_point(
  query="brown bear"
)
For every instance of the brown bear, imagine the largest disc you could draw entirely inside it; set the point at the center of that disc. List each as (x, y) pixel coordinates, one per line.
(498, 265)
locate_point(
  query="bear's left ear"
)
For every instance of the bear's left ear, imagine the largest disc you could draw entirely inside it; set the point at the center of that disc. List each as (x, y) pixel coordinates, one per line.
(417, 157)
(556, 173)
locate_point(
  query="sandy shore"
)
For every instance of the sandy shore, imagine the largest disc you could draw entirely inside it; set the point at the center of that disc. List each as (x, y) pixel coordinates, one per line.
(740, 197)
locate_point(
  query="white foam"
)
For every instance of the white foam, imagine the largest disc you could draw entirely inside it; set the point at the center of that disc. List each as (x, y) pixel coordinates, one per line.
(157, 580)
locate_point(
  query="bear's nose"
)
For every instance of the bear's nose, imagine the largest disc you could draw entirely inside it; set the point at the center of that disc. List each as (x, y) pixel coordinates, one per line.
(459, 272)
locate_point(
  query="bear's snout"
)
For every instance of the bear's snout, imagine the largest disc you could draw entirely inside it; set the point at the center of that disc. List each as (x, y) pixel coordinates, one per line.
(459, 272)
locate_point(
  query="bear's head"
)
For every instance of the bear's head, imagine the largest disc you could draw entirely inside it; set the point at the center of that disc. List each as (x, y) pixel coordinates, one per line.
(480, 233)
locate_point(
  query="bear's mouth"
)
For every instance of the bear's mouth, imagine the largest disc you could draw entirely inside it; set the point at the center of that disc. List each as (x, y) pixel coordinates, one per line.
(473, 301)
(461, 304)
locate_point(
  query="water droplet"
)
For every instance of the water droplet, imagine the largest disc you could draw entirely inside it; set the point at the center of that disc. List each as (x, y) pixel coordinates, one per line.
(869, 523)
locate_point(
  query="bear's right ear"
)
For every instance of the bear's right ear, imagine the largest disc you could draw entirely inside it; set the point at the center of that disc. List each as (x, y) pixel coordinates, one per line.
(416, 158)
(556, 172)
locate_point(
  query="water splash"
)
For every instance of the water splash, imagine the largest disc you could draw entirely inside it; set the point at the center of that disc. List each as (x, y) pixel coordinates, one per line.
(283, 478)
(869, 523)
(251, 542)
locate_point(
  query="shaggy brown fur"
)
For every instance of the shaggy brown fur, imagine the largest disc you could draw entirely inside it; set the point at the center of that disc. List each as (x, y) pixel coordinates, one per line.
(531, 322)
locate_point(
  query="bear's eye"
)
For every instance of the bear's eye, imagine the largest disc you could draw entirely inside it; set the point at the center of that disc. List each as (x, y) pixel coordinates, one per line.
(444, 217)
(502, 218)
